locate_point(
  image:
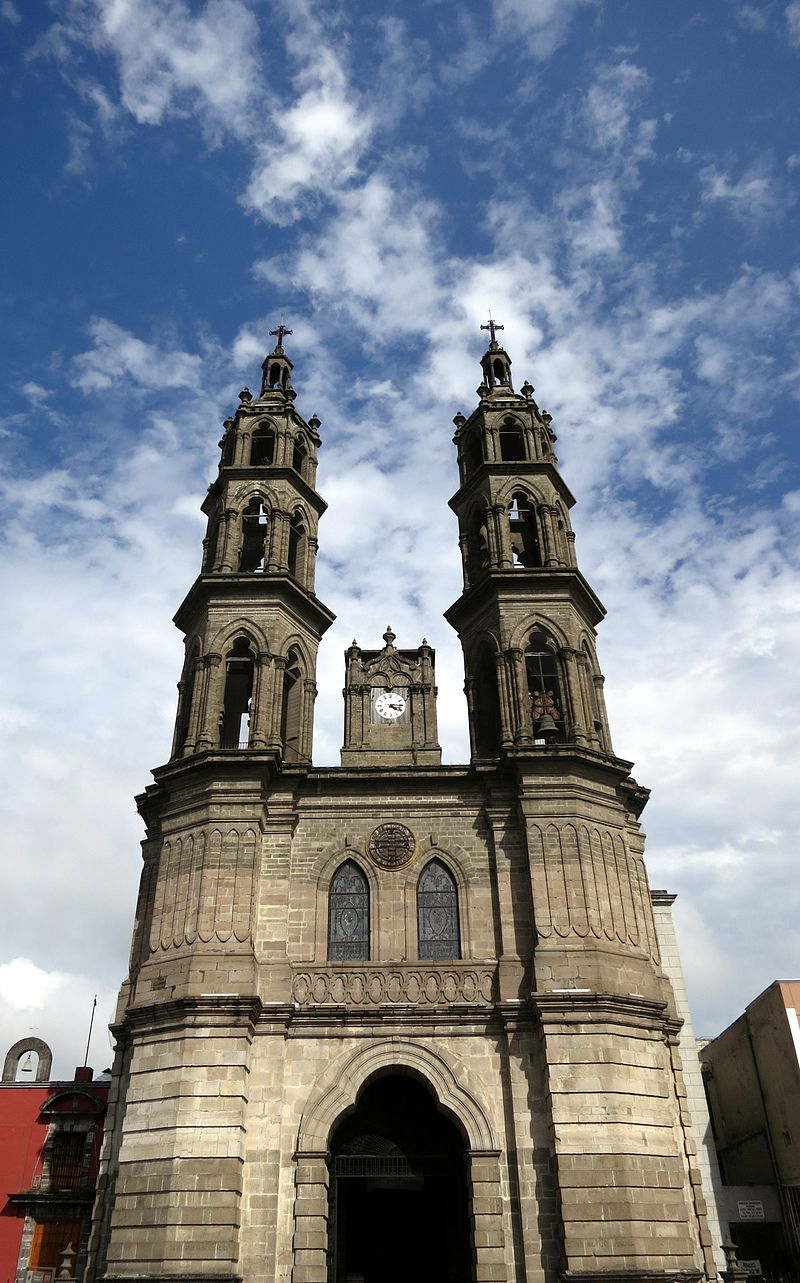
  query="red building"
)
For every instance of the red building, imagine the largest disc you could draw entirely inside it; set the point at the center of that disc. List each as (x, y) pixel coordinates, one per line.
(50, 1137)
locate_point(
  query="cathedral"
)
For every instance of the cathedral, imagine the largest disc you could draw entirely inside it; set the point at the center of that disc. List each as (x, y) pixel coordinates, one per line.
(395, 1020)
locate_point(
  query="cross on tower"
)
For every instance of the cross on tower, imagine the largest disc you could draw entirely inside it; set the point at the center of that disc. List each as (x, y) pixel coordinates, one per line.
(279, 335)
(492, 327)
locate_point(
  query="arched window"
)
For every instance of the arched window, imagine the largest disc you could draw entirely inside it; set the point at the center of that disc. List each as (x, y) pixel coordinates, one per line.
(348, 915)
(227, 444)
(255, 527)
(437, 913)
(512, 441)
(185, 700)
(486, 705)
(477, 544)
(299, 456)
(524, 536)
(210, 543)
(262, 446)
(500, 370)
(239, 669)
(544, 687)
(292, 709)
(473, 452)
(297, 546)
(278, 375)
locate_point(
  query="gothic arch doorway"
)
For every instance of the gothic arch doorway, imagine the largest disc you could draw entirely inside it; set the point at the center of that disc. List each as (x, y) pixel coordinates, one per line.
(398, 1192)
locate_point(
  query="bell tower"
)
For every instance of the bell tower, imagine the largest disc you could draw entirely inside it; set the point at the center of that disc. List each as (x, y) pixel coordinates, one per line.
(251, 619)
(526, 616)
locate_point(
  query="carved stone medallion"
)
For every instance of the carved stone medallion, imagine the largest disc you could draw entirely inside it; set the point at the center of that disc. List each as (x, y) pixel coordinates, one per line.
(391, 846)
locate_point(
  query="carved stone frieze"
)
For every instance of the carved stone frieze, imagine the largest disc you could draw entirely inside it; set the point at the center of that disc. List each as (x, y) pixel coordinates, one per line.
(405, 985)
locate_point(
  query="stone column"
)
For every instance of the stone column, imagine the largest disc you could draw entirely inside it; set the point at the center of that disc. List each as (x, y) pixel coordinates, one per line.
(312, 544)
(194, 709)
(259, 724)
(241, 448)
(487, 1216)
(463, 543)
(307, 718)
(500, 513)
(469, 691)
(506, 723)
(551, 557)
(229, 531)
(278, 554)
(568, 658)
(310, 1238)
(599, 682)
(275, 708)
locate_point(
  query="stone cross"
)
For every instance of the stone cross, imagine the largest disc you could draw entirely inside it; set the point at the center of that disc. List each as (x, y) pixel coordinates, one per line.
(279, 335)
(492, 327)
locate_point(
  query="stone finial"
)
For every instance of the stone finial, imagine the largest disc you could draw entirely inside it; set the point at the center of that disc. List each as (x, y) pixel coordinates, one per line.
(389, 637)
(459, 420)
(314, 422)
(527, 390)
(67, 1266)
(245, 396)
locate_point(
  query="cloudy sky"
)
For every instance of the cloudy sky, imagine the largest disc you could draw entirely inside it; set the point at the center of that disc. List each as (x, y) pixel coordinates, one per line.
(617, 181)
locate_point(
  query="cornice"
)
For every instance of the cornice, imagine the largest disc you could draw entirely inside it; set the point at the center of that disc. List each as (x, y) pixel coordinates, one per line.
(225, 586)
(537, 584)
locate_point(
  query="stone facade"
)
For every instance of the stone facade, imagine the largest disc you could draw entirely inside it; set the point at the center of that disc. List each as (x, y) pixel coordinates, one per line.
(395, 1019)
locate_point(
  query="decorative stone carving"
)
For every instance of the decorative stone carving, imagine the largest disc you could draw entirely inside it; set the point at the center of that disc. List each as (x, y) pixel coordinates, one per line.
(391, 846)
(394, 986)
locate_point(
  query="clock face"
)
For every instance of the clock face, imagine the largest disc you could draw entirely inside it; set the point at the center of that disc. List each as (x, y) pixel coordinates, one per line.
(390, 705)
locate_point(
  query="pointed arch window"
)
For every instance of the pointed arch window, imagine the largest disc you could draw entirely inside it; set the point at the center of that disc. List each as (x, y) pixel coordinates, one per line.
(292, 709)
(239, 671)
(255, 529)
(486, 705)
(297, 546)
(277, 375)
(262, 446)
(348, 915)
(437, 913)
(525, 548)
(512, 441)
(500, 370)
(185, 700)
(544, 687)
(300, 456)
(473, 452)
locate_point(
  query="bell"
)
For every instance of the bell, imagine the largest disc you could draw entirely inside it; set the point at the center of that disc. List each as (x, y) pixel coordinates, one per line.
(546, 728)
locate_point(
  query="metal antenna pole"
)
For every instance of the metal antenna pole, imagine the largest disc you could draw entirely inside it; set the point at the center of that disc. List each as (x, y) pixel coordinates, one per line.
(89, 1039)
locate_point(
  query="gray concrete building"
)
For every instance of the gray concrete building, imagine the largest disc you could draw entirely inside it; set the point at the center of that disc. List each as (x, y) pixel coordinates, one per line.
(396, 1019)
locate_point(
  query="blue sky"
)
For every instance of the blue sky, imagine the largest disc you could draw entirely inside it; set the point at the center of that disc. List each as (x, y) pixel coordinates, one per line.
(617, 182)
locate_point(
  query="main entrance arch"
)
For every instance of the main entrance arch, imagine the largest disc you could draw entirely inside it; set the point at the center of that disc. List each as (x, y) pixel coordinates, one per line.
(465, 1135)
(398, 1190)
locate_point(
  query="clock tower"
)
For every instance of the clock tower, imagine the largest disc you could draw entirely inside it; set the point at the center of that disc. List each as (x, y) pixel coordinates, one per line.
(390, 706)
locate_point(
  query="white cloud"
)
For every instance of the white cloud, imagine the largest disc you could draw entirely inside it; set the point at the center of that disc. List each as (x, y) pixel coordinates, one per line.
(756, 197)
(793, 21)
(315, 142)
(118, 355)
(542, 23)
(35, 393)
(9, 11)
(24, 986)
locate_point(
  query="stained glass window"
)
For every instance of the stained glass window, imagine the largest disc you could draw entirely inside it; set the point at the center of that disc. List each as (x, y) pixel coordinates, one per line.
(348, 915)
(437, 913)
